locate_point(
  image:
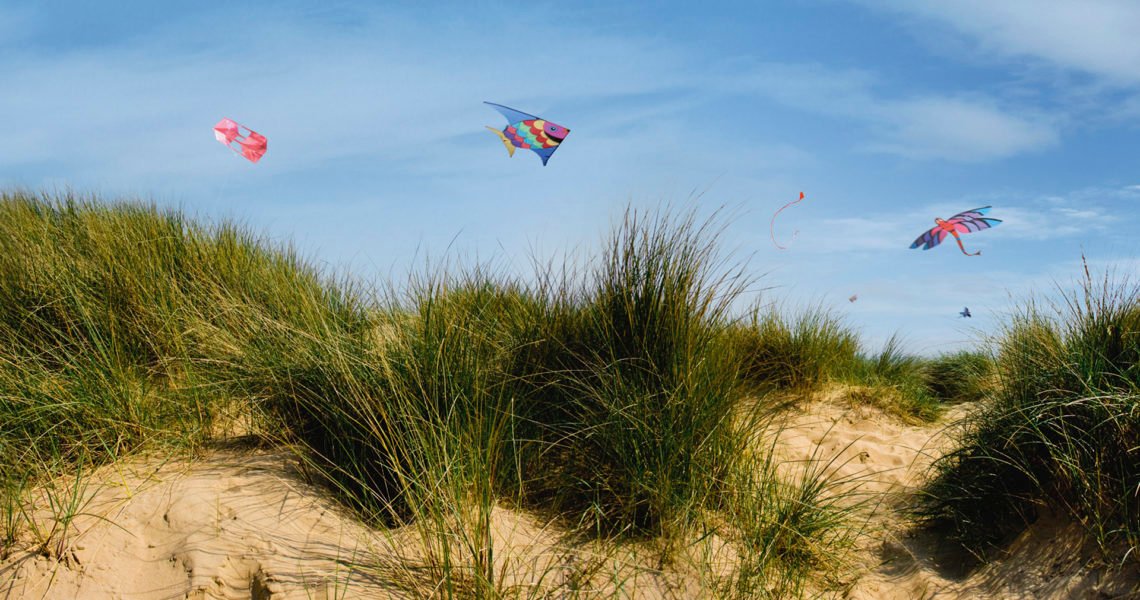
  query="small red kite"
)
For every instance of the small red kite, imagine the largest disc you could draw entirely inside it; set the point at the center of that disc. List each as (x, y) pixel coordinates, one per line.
(248, 143)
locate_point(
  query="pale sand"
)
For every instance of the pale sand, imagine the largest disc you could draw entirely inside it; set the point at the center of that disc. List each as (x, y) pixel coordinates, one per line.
(230, 525)
(242, 524)
(888, 459)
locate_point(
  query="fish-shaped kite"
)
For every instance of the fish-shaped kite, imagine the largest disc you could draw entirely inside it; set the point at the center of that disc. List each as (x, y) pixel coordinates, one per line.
(772, 223)
(529, 133)
(963, 222)
(247, 143)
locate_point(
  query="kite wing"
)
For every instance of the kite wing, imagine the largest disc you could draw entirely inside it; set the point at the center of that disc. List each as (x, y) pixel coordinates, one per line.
(545, 153)
(973, 220)
(930, 239)
(973, 213)
(513, 116)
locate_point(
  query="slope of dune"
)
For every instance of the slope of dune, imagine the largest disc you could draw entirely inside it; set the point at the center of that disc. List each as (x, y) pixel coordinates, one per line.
(887, 459)
(242, 523)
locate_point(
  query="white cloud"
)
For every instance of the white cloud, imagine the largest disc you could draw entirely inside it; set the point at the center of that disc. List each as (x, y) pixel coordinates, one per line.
(1101, 37)
(959, 130)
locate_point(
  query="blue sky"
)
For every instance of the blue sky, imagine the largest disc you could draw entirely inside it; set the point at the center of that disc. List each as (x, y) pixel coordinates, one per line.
(886, 113)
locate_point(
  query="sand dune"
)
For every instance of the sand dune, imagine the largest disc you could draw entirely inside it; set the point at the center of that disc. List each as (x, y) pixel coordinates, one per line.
(230, 526)
(243, 524)
(887, 459)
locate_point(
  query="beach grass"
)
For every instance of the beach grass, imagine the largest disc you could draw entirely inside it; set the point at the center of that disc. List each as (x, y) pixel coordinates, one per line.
(1059, 433)
(614, 398)
(124, 326)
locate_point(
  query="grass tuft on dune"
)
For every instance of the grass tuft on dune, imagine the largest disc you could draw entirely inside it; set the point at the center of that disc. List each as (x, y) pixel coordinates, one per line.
(610, 398)
(1061, 431)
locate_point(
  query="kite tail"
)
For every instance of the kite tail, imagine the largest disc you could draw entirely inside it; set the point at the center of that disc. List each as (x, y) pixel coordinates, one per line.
(503, 138)
(772, 224)
(959, 240)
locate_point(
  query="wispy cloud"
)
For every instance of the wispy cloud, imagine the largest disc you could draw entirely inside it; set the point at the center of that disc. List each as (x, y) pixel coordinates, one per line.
(960, 130)
(1092, 36)
(963, 128)
(1078, 213)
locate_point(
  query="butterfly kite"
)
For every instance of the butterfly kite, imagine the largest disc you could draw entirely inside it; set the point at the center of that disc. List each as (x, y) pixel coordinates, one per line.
(963, 222)
(772, 224)
(241, 139)
(965, 312)
(529, 133)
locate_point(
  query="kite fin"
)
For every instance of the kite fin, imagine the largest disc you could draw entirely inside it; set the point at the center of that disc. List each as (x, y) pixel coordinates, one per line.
(513, 116)
(545, 153)
(503, 138)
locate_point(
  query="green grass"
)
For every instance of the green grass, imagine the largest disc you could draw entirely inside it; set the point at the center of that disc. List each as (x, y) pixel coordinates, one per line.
(895, 381)
(1059, 433)
(809, 351)
(123, 325)
(636, 379)
(800, 352)
(612, 400)
(964, 376)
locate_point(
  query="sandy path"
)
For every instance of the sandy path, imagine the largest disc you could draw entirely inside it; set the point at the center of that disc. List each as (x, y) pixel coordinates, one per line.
(888, 459)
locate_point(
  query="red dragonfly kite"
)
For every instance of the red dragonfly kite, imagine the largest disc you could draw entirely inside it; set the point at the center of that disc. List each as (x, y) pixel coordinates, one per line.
(963, 222)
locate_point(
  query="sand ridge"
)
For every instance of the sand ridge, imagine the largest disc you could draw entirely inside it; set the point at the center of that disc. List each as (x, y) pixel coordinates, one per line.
(243, 524)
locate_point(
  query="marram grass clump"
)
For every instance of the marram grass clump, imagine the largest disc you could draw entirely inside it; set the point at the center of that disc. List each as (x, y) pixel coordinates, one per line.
(800, 352)
(637, 378)
(123, 322)
(611, 398)
(1061, 431)
(123, 325)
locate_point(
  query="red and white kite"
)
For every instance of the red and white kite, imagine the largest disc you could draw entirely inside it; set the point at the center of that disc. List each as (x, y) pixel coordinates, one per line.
(249, 144)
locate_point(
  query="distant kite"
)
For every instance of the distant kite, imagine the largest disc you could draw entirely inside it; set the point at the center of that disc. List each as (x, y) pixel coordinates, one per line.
(966, 312)
(249, 143)
(853, 298)
(529, 133)
(963, 222)
(772, 224)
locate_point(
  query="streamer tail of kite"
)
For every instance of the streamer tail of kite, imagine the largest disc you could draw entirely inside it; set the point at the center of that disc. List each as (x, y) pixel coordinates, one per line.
(772, 224)
(964, 222)
(241, 139)
(528, 132)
